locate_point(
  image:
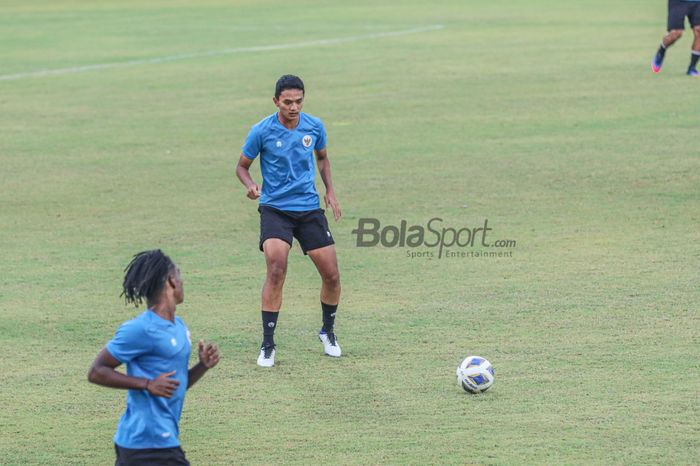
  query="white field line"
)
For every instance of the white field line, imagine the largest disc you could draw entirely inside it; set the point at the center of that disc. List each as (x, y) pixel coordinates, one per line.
(214, 53)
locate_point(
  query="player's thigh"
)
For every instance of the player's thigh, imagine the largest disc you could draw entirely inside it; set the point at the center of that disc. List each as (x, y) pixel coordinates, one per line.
(694, 17)
(326, 261)
(150, 457)
(276, 254)
(677, 11)
(274, 224)
(312, 231)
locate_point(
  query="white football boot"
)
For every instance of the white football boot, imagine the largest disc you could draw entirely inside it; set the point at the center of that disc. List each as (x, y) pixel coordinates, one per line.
(267, 356)
(330, 344)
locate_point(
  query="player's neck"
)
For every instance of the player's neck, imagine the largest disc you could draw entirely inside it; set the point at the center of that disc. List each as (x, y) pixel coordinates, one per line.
(164, 309)
(289, 124)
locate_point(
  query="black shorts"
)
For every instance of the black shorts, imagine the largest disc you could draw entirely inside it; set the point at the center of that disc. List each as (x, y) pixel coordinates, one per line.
(150, 456)
(309, 227)
(677, 12)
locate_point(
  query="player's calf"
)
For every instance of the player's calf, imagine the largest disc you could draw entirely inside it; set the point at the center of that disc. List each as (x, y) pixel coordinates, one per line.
(668, 40)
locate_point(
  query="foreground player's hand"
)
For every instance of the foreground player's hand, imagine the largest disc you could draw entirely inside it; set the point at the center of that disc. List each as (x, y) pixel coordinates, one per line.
(332, 202)
(163, 385)
(253, 192)
(208, 354)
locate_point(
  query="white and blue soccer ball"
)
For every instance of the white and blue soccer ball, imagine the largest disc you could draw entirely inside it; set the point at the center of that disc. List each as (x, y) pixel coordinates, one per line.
(475, 374)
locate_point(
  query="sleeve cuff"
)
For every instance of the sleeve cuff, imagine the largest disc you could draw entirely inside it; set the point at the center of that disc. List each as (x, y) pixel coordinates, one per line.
(111, 351)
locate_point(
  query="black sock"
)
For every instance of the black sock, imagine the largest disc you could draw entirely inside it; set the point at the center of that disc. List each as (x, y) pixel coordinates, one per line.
(694, 60)
(662, 50)
(328, 316)
(269, 321)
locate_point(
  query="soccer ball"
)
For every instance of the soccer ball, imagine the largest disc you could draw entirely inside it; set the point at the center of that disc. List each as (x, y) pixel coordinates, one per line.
(475, 374)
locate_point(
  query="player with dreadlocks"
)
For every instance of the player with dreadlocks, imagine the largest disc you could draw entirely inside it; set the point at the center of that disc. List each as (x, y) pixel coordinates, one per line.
(155, 346)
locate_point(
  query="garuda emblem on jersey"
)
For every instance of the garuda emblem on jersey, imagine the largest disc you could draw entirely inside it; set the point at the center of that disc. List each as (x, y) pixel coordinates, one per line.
(306, 140)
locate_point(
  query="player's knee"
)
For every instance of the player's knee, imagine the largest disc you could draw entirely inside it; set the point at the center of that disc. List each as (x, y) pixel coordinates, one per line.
(675, 34)
(696, 30)
(332, 279)
(276, 270)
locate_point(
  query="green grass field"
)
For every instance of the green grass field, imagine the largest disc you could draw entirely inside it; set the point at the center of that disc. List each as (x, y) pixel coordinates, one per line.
(541, 116)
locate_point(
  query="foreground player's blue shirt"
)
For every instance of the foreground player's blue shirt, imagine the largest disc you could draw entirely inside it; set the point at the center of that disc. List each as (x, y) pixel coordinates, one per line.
(287, 161)
(150, 346)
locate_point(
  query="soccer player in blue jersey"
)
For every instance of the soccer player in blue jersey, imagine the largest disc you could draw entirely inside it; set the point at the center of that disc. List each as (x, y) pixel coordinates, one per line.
(289, 207)
(678, 10)
(155, 346)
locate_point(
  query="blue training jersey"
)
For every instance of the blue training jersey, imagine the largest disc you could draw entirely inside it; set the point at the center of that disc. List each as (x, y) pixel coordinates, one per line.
(287, 161)
(150, 346)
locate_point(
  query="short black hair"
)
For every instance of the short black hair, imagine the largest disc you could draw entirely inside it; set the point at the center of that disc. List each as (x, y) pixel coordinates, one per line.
(145, 276)
(288, 81)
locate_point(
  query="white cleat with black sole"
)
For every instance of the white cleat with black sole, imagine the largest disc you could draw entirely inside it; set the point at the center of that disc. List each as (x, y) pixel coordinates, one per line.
(330, 344)
(267, 356)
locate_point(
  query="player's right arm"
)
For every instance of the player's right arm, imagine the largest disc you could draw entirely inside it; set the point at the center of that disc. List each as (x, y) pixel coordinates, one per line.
(128, 343)
(243, 174)
(102, 372)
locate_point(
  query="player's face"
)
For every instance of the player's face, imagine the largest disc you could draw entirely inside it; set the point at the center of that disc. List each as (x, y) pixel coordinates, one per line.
(289, 104)
(179, 289)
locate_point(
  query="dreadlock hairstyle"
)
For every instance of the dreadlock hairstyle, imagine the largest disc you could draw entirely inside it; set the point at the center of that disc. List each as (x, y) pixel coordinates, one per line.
(145, 276)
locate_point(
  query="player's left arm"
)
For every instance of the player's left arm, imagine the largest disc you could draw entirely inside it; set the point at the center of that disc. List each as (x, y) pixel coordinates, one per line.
(324, 168)
(208, 358)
